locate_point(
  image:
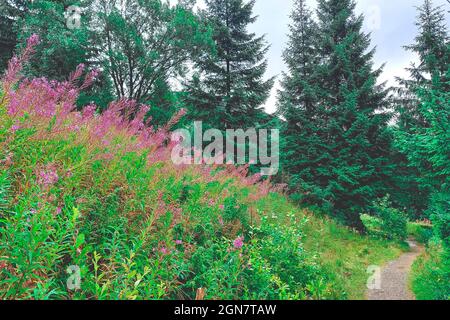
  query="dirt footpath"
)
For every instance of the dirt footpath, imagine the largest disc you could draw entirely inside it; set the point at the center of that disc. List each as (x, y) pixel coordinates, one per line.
(394, 277)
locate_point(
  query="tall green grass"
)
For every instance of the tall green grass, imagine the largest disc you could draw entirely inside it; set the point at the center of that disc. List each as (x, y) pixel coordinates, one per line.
(430, 275)
(344, 253)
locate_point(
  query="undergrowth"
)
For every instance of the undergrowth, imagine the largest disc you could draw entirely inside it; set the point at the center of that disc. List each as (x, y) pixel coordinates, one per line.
(91, 207)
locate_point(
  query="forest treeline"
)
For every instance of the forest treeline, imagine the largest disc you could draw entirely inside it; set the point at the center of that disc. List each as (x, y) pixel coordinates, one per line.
(350, 144)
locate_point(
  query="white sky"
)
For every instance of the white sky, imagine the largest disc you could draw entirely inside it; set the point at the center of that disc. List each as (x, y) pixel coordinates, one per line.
(391, 23)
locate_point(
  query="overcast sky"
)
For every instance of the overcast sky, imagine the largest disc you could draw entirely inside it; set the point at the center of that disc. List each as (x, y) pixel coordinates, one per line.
(391, 23)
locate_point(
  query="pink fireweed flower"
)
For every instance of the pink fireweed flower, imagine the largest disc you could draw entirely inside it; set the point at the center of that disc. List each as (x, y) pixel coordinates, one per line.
(175, 119)
(138, 123)
(89, 79)
(47, 176)
(179, 242)
(163, 250)
(15, 65)
(14, 128)
(238, 243)
(221, 207)
(88, 111)
(33, 40)
(76, 74)
(58, 210)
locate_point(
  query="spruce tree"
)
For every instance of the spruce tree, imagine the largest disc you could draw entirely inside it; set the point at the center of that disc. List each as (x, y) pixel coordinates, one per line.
(430, 82)
(228, 88)
(355, 159)
(297, 100)
(345, 163)
(427, 149)
(432, 47)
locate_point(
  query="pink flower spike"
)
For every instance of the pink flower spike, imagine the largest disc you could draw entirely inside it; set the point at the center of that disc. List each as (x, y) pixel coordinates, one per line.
(33, 40)
(89, 79)
(47, 176)
(179, 242)
(238, 243)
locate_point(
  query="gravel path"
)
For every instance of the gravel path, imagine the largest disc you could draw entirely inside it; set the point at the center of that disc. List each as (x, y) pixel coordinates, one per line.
(394, 277)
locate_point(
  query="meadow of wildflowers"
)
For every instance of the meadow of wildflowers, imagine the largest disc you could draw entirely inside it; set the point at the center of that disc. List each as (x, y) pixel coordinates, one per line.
(91, 207)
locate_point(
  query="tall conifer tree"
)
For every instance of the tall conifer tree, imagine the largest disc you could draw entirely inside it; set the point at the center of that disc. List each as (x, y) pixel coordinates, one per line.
(346, 145)
(354, 164)
(228, 89)
(431, 46)
(297, 100)
(422, 110)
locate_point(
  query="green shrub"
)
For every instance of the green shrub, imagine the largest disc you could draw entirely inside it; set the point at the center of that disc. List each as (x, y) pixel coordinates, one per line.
(386, 222)
(430, 276)
(422, 232)
(440, 215)
(373, 225)
(268, 263)
(431, 272)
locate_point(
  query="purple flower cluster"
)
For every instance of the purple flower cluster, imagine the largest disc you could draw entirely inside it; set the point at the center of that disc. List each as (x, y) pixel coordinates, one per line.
(238, 243)
(47, 176)
(15, 65)
(43, 100)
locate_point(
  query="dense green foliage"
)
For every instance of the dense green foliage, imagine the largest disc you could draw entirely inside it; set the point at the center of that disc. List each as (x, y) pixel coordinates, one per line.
(386, 222)
(61, 49)
(430, 278)
(147, 44)
(64, 44)
(431, 46)
(421, 231)
(10, 12)
(338, 154)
